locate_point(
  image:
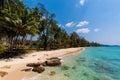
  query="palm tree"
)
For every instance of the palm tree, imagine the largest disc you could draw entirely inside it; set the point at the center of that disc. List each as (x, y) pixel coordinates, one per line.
(18, 22)
(2, 3)
(73, 39)
(45, 26)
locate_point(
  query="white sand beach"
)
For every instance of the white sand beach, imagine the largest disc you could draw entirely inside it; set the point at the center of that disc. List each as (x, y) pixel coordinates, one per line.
(14, 66)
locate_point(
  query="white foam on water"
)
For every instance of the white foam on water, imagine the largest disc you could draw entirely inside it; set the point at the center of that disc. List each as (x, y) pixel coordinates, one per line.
(32, 78)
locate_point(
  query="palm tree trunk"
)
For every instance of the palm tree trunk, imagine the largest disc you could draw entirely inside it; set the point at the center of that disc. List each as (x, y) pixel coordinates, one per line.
(23, 41)
(45, 43)
(1, 4)
(30, 43)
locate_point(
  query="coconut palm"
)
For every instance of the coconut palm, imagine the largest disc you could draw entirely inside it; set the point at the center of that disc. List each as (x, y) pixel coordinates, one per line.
(18, 22)
(3, 3)
(74, 37)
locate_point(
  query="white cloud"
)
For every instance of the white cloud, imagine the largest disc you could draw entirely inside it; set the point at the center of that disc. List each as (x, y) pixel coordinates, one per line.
(82, 2)
(83, 30)
(82, 23)
(43, 17)
(60, 25)
(96, 30)
(70, 24)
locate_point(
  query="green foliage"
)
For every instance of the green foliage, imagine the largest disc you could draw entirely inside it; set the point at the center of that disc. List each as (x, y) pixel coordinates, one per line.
(2, 48)
(94, 44)
(17, 22)
(12, 53)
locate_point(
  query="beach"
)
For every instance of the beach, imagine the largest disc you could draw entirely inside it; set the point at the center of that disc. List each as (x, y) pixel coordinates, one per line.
(14, 66)
(94, 63)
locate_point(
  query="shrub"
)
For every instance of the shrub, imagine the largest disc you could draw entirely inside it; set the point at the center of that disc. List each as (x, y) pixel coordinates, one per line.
(12, 53)
(2, 48)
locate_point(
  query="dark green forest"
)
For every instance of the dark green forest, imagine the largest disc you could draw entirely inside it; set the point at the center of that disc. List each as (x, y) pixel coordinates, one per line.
(18, 21)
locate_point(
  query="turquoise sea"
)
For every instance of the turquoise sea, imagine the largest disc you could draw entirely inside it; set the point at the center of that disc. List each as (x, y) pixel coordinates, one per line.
(95, 63)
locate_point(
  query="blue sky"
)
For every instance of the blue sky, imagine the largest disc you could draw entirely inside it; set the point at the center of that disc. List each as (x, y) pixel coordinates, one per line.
(96, 20)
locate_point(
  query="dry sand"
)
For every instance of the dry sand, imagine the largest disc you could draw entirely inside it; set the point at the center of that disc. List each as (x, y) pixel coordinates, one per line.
(14, 66)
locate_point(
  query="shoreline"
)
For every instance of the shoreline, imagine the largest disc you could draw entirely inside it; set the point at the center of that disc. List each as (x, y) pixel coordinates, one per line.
(15, 65)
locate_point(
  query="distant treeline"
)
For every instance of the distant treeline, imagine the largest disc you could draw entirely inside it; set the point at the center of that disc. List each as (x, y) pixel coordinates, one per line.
(17, 22)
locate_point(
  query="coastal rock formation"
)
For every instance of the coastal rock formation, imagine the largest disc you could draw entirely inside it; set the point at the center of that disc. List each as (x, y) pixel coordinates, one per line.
(43, 64)
(26, 70)
(53, 61)
(54, 58)
(33, 64)
(38, 69)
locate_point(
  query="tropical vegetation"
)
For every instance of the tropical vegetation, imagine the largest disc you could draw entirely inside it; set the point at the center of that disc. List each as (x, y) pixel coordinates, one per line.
(19, 24)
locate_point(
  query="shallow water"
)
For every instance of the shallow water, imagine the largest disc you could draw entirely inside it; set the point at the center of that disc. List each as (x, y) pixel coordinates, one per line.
(96, 63)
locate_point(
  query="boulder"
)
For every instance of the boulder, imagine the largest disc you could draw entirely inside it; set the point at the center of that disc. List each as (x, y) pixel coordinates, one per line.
(53, 62)
(33, 64)
(43, 64)
(2, 73)
(26, 70)
(38, 69)
(54, 58)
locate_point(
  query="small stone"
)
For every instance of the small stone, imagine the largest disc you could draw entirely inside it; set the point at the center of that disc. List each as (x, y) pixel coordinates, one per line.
(2, 73)
(64, 67)
(74, 67)
(52, 73)
(67, 75)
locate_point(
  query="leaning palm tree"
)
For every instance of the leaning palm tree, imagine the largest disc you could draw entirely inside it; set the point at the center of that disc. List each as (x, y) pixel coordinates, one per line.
(28, 22)
(18, 22)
